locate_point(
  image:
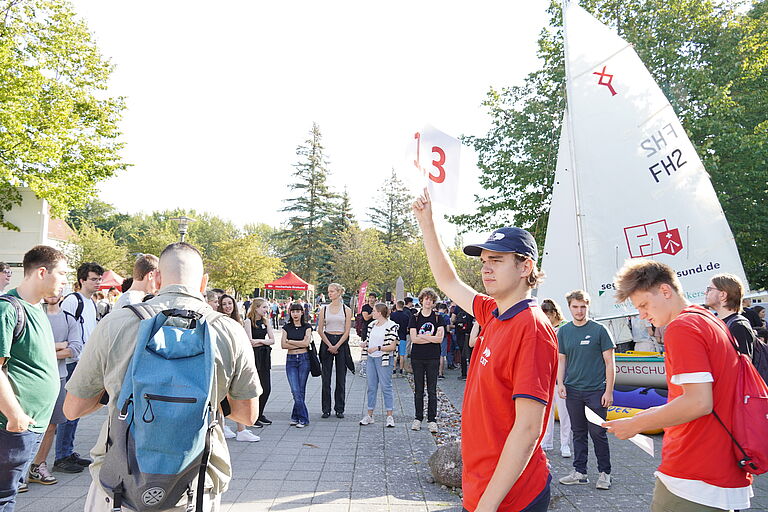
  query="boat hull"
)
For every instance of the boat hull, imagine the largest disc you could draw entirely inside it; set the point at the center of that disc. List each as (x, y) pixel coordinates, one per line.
(641, 370)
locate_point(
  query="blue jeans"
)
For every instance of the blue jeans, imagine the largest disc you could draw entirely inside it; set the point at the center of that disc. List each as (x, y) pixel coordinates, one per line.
(297, 370)
(575, 401)
(65, 432)
(16, 452)
(378, 374)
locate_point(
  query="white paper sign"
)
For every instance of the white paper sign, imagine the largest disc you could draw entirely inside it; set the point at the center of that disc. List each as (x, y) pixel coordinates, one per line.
(436, 157)
(645, 443)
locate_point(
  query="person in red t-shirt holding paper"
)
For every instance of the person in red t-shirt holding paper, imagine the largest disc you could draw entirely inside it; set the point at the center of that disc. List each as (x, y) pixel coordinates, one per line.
(698, 470)
(510, 385)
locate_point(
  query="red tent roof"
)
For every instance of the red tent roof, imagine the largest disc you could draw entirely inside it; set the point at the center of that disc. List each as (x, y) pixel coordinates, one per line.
(110, 279)
(289, 281)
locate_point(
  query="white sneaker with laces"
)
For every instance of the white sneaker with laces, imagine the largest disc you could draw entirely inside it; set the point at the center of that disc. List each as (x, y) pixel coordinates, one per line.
(367, 420)
(432, 426)
(603, 482)
(247, 436)
(228, 434)
(574, 478)
(565, 451)
(301, 425)
(390, 421)
(416, 425)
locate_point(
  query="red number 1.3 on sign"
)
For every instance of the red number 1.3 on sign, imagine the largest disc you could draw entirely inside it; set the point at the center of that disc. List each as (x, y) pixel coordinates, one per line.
(437, 164)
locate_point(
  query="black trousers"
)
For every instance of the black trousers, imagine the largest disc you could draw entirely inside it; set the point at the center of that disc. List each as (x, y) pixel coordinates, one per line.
(425, 368)
(263, 357)
(327, 360)
(462, 339)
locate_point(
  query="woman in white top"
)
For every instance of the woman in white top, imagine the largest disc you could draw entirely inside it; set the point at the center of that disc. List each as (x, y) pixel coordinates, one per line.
(259, 330)
(333, 327)
(381, 342)
(555, 316)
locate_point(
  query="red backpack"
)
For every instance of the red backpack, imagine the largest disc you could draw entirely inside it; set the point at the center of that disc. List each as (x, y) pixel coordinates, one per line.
(750, 415)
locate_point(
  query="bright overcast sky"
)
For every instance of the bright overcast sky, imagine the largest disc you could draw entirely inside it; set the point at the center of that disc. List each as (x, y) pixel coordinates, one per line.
(219, 94)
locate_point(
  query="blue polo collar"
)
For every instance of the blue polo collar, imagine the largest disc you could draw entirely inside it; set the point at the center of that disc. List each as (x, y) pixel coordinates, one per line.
(514, 310)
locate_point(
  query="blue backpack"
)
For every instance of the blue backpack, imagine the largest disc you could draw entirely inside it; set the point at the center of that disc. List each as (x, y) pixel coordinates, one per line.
(159, 436)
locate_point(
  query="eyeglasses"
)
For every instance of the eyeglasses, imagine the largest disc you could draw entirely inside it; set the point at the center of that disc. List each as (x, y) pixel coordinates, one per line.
(709, 289)
(9, 273)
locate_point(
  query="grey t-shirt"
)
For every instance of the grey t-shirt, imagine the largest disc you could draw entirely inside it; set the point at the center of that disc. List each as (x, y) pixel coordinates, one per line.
(128, 298)
(66, 328)
(583, 347)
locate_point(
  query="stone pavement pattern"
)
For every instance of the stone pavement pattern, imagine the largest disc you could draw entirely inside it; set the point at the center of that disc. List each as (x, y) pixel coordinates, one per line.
(337, 465)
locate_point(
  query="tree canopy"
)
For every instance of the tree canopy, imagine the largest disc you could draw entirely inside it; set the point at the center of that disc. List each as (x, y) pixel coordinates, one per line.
(58, 129)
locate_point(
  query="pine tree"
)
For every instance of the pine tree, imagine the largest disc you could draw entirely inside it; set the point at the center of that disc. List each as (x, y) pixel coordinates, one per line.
(392, 213)
(306, 242)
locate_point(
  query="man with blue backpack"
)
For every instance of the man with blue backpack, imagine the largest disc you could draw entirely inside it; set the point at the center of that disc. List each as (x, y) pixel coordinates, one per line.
(166, 366)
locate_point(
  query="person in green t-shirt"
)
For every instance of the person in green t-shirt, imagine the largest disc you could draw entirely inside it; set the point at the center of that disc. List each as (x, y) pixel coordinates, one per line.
(29, 383)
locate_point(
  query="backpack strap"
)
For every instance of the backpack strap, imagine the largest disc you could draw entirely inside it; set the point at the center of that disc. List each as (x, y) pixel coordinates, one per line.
(142, 310)
(21, 316)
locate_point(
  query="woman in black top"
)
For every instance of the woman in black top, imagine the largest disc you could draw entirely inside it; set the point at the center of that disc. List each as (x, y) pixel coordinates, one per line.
(259, 331)
(228, 306)
(297, 334)
(427, 332)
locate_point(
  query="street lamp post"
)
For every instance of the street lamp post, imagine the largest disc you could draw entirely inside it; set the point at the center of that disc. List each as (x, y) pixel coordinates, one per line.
(183, 222)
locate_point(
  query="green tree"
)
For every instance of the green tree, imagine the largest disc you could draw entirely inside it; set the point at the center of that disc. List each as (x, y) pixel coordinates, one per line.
(709, 58)
(94, 244)
(392, 212)
(242, 264)
(409, 260)
(362, 257)
(59, 132)
(468, 267)
(306, 242)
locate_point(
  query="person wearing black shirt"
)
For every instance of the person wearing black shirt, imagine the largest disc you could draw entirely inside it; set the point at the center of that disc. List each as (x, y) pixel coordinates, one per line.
(403, 319)
(463, 322)
(297, 334)
(427, 331)
(724, 295)
(259, 330)
(367, 312)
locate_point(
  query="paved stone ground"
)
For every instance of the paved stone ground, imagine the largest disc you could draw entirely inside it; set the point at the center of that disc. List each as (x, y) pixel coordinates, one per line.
(336, 465)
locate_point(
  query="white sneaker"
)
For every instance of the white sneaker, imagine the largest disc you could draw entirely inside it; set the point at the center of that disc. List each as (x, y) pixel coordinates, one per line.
(390, 421)
(432, 426)
(247, 436)
(565, 451)
(293, 423)
(367, 420)
(228, 434)
(574, 478)
(416, 425)
(603, 482)
(301, 425)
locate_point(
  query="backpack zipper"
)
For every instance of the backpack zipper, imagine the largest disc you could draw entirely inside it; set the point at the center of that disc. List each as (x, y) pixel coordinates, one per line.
(174, 399)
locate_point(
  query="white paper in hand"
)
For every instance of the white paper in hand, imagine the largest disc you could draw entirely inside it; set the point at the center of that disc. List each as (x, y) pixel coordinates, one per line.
(645, 443)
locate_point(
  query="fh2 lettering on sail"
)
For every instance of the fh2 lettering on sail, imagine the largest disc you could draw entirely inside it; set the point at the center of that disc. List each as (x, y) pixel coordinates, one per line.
(657, 146)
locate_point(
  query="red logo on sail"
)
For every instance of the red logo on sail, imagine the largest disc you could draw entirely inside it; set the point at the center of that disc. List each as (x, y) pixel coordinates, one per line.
(652, 238)
(606, 79)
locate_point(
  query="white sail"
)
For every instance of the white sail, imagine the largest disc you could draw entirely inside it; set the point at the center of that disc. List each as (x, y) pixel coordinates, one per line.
(561, 261)
(641, 189)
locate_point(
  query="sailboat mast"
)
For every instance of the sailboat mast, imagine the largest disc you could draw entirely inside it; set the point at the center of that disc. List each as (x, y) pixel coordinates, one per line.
(571, 151)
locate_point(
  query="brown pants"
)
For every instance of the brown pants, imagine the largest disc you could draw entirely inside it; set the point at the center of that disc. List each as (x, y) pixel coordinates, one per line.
(665, 501)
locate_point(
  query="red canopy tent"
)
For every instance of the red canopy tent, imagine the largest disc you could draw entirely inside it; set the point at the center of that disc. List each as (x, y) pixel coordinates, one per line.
(290, 281)
(110, 279)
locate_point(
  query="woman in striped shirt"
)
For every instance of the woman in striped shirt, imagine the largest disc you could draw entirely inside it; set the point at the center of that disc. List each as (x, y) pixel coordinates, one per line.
(381, 342)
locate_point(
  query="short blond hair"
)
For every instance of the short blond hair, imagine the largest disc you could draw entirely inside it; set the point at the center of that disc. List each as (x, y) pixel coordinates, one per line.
(643, 276)
(734, 290)
(577, 295)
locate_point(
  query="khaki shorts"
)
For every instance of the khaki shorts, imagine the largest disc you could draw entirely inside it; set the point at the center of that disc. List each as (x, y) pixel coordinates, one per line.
(100, 501)
(665, 501)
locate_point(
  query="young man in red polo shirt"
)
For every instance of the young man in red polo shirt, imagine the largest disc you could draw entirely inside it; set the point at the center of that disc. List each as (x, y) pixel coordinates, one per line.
(698, 470)
(511, 381)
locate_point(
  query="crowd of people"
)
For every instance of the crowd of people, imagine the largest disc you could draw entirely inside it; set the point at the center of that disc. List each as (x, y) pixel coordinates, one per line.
(65, 357)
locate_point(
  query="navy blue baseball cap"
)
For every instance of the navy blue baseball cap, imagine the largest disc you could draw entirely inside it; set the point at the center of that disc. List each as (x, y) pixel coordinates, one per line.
(507, 240)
